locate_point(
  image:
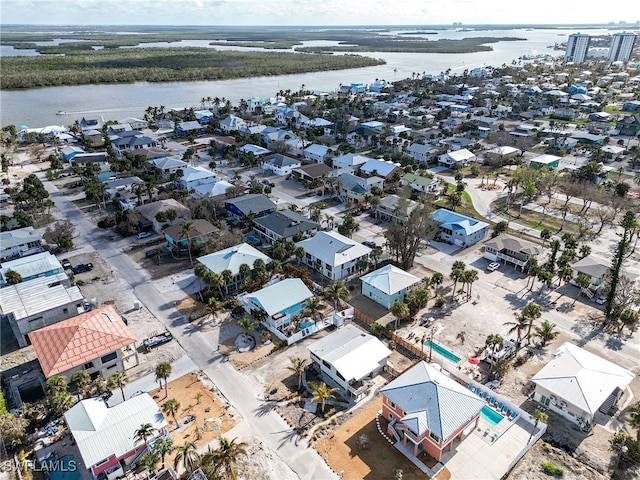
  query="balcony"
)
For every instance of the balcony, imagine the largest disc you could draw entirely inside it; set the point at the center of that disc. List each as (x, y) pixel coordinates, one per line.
(359, 387)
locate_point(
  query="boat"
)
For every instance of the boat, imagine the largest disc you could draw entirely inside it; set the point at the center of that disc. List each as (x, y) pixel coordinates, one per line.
(156, 340)
(60, 112)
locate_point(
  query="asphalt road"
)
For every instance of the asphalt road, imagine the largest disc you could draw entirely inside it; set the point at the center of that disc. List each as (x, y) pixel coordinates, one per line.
(243, 396)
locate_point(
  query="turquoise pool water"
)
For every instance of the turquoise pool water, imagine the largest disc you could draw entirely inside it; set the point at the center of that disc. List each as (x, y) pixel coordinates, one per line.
(443, 352)
(252, 239)
(67, 468)
(490, 416)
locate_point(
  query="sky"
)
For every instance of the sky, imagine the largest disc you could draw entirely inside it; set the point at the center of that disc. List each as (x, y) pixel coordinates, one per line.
(309, 12)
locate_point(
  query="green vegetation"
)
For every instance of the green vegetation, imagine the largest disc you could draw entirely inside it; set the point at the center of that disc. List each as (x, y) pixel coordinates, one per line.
(164, 65)
(551, 468)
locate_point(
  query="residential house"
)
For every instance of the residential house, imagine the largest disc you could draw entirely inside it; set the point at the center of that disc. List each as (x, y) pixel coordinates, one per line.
(195, 176)
(333, 255)
(106, 436)
(91, 123)
(213, 190)
(19, 243)
(135, 123)
(579, 386)
(322, 126)
(348, 359)
(67, 153)
(34, 266)
(631, 106)
(286, 138)
(355, 188)
(149, 212)
(203, 116)
(545, 161)
(94, 158)
(283, 225)
(280, 165)
(428, 410)
(231, 124)
(93, 138)
(421, 184)
(153, 153)
(290, 117)
(169, 165)
(629, 125)
(279, 301)
(232, 259)
(253, 204)
(121, 186)
(256, 150)
(387, 285)
(458, 229)
(456, 158)
(501, 155)
(381, 168)
(97, 342)
(37, 303)
(422, 153)
(132, 140)
(317, 153)
(387, 209)
(596, 268)
(457, 143)
(184, 129)
(513, 250)
(349, 162)
(201, 231)
(311, 172)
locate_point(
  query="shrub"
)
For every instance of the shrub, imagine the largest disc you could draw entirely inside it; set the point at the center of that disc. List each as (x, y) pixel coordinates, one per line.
(439, 301)
(551, 468)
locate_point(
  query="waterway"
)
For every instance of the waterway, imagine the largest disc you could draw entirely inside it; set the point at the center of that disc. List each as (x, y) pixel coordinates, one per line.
(39, 107)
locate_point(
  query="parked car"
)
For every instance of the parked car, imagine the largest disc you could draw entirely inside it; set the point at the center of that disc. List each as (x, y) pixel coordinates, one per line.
(82, 267)
(369, 244)
(66, 264)
(150, 253)
(601, 300)
(493, 266)
(143, 235)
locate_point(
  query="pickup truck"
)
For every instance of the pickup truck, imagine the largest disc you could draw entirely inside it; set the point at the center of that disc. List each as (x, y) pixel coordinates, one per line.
(82, 267)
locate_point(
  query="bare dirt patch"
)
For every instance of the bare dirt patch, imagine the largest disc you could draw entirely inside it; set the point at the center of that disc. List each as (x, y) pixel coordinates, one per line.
(342, 451)
(210, 417)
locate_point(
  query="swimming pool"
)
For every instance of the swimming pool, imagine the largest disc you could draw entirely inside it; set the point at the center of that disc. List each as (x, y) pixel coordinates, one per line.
(64, 468)
(252, 239)
(443, 352)
(490, 416)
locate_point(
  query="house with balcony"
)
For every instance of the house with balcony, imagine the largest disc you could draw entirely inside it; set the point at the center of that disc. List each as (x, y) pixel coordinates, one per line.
(629, 125)
(185, 129)
(333, 255)
(317, 153)
(279, 164)
(150, 212)
(97, 342)
(354, 187)
(387, 209)
(349, 359)
(579, 385)
(130, 141)
(34, 266)
(349, 162)
(380, 168)
(513, 250)
(231, 124)
(458, 229)
(38, 303)
(105, 435)
(254, 204)
(201, 232)
(456, 158)
(422, 153)
(429, 411)
(232, 259)
(421, 184)
(387, 285)
(193, 177)
(283, 225)
(596, 268)
(168, 165)
(19, 243)
(312, 171)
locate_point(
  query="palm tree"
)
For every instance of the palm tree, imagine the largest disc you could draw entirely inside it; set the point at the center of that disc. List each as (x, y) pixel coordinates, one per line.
(244, 271)
(495, 343)
(546, 332)
(400, 310)
(171, 407)
(214, 280)
(436, 280)
(519, 325)
(212, 307)
(185, 232)
(144, 432)
(118, 380)
(188, 456)
(149, 462)
(80, 380)
(163, 371)
(12, 277)
(457, 270)
(226, 456)
(634, 419)
(227, 276)
(246, 324)
(300, 253)
(297, 366)
(565, 274)
(313, 307)
(470, 276)
(531, 312)
(336, 291)
(163, 446)
(583, 281)
(539, 416)
(200, 271)
(321, 393)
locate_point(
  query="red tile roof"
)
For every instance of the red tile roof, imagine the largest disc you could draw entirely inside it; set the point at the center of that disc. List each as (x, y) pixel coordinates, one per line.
(80, 339)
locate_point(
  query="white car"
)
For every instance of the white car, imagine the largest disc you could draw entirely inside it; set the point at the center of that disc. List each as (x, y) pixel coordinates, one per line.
(493, 266)
(601, 300)
(143, 235)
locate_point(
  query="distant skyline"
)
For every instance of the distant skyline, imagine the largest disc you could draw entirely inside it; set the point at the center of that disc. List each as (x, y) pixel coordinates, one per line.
(309, 12)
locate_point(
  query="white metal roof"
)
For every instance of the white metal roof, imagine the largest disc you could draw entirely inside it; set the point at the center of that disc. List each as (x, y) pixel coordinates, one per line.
(280, 296)
(231, 258)
(352, 352)
(390, 279)
(581, 378)
(333, 249)
(101, 432)
(21, 236)
(36, 296)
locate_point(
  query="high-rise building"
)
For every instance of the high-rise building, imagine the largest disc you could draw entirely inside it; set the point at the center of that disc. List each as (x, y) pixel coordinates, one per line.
(577, 48)
(621, 46)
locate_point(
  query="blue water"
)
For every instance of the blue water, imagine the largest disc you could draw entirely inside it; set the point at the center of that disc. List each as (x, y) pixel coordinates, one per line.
(67, 469)
(253, 240)
(443, 352)
(490, 416)
(306, 323)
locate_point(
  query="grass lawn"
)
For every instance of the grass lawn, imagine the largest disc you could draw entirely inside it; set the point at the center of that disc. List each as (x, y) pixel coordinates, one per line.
(466, 208)
(532, 218)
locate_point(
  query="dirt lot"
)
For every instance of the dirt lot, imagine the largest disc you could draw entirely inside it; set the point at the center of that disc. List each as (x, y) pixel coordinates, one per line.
(211, 417)
(379, 460)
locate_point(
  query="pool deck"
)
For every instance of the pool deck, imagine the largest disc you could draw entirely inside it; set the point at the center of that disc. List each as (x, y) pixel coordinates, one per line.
(62, 448)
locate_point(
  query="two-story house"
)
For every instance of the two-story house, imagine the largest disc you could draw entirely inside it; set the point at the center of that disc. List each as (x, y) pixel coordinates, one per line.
(387, 285)
(195, 176)
(233, 259)
(421, 184)
(513, 250)
(19, 243)
(317, 153)
(283, 225)
(280, 165)
(458, 229)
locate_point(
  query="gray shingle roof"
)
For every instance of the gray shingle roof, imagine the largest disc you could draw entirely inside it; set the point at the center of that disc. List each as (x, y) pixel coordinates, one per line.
(286, 223)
